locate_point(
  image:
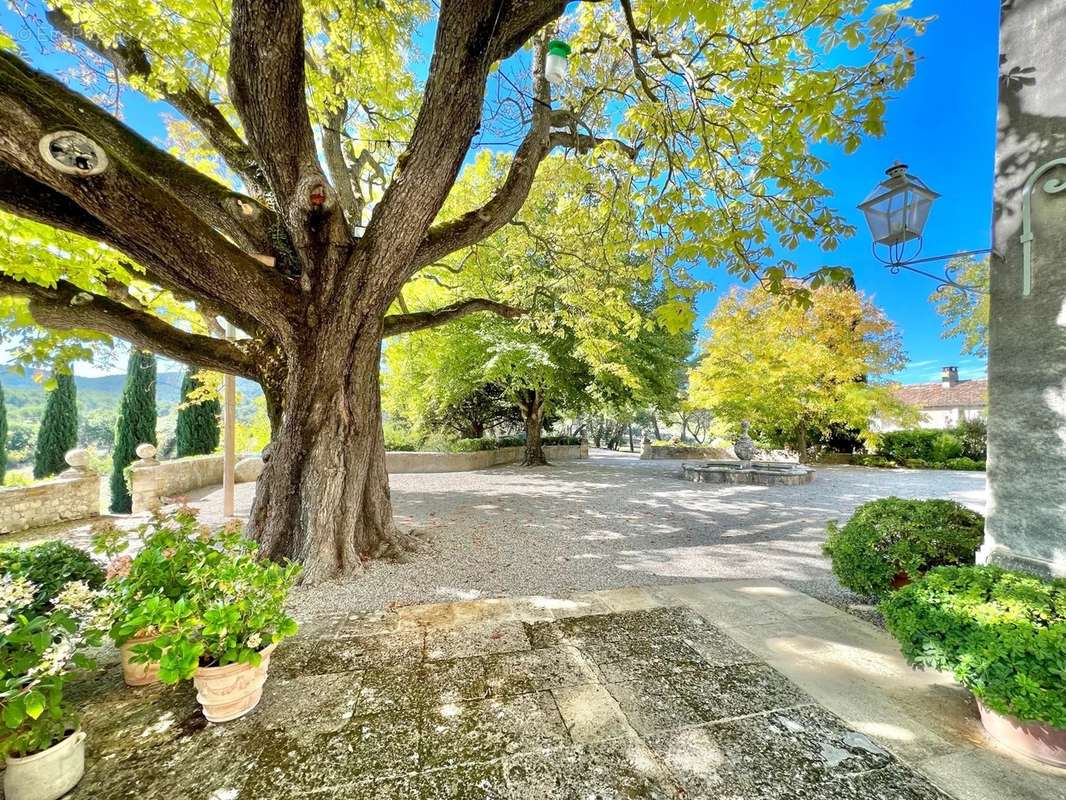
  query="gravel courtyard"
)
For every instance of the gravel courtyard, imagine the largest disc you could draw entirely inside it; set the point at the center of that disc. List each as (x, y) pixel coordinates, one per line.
(613, 521)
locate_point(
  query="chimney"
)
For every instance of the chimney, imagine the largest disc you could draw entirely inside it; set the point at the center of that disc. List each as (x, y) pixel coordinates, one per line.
(949, 376)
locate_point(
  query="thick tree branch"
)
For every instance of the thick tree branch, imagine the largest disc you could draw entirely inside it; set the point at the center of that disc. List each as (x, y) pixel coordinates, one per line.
(240, 218)
(146, 221)
(129, 58)
(25, 197)
(66, 307)
(471, 35)
(480, 223)
(267, 86)
(418, 320)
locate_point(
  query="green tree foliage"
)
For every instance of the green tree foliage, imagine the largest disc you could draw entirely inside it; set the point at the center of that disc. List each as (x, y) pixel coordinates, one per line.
(965, 314)
(3, 436)
(197, 429)
(59, 428)
(136, 424)
(790, 367)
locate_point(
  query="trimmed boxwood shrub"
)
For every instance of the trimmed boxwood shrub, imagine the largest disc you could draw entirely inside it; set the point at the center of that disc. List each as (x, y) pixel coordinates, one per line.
(50, 566)
(886, 537)
(1002, 634)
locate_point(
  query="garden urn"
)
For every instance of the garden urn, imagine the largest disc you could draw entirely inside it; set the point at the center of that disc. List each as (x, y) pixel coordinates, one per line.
(49, 774)
(138, 673)
(229, 692)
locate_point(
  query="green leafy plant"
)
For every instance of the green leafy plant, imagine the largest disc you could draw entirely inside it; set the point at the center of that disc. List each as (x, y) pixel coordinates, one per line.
(37, 653)
(890, 536)
(1001, 633)
(973, 435)
(158, 574)
(907, 444)
(50, 566)
(945, 447)
(206, 596)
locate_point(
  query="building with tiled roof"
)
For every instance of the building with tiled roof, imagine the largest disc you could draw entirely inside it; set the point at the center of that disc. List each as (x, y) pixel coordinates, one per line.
(947, 402)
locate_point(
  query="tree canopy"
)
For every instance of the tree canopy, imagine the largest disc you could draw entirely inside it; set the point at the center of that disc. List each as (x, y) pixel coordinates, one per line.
(790, 368)
(965, 314)
(311, 183)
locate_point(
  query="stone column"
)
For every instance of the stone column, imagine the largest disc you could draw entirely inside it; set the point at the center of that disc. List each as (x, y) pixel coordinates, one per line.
(584, 451)
(1026, 526)
(144, 480)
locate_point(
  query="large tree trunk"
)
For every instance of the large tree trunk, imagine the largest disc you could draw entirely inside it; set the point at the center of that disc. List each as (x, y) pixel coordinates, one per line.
(532, 404)
(323, 496)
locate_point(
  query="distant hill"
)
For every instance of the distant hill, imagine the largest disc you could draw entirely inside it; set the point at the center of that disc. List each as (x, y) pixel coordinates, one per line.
(98, 401)
(106, 390)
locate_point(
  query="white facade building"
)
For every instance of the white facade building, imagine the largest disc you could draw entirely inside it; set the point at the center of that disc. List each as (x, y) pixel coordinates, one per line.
(946, 403)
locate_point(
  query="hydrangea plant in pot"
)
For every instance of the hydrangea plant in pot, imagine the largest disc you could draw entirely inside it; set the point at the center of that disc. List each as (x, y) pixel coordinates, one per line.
(41, 741)
(141, 587)
(887, 543)
(222, 631)
(1003, 635)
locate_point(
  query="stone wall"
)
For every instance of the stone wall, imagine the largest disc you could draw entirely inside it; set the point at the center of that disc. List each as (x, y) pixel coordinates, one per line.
(656, 451)
(399, 463)
(1026, 523)
(152, 481)
(74, 495)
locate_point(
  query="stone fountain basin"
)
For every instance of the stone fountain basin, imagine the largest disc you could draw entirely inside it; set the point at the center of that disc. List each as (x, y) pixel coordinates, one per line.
(760, 473)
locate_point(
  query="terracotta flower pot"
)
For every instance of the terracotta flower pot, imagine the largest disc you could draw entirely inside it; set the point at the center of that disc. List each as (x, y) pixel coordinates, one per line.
(1034, 739)
(233, 690)
(138, 674)
(49, 774)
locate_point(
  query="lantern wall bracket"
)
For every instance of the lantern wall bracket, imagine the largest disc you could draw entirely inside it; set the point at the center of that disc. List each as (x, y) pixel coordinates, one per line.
(1051, 186)
(896, 263)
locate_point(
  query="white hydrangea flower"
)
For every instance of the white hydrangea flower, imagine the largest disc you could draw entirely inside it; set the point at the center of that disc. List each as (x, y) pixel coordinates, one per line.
(55, 658)
(76, 597)
(254, 641)
(16, 592)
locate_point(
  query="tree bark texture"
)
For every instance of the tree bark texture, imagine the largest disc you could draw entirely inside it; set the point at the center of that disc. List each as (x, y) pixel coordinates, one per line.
(532, 404)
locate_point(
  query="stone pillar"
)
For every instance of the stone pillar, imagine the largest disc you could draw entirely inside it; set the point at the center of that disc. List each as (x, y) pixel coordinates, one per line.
(1026, 526)
(584, 451)
(144, 480)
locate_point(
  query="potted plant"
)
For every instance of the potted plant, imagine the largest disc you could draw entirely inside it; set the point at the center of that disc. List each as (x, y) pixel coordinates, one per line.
(138, 586)
(222, 631)
(888, 543)
(1003, 635)
(41, 742)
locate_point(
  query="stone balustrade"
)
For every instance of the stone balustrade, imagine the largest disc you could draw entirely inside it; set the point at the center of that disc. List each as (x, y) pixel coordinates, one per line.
(72, 495)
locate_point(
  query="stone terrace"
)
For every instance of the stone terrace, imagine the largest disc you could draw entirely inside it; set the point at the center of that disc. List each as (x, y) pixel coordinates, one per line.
(624, 694)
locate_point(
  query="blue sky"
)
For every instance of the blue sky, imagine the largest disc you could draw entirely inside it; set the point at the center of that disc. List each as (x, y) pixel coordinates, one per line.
(942, 125)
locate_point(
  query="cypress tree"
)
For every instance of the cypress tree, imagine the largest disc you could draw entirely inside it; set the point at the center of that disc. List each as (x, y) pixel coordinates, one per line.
(59, 428)
(197, 430)
(3, 436)
(136, 425)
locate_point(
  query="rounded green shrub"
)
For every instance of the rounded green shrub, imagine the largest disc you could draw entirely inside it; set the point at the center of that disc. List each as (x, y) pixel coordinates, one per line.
(945, 447)
(886, 537)
(50, 566)
(964, 463)
(1002, 634)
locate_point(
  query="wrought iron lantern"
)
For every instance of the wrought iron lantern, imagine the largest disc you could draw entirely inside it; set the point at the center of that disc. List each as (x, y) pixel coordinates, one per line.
(896, 212)
(72, 153)
(898, 208)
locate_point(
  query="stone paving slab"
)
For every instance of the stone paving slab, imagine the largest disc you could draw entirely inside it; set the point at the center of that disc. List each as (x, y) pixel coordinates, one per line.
(484, 702)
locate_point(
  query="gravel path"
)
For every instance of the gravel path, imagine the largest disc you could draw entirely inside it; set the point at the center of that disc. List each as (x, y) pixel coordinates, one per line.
(613, 521)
